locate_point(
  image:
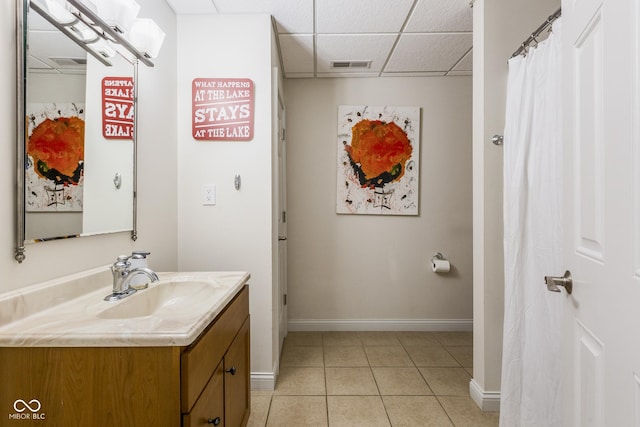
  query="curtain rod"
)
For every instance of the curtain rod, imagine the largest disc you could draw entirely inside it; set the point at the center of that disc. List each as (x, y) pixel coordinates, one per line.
(537, 32)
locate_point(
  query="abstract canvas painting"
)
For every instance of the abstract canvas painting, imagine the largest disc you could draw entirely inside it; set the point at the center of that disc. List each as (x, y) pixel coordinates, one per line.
(378, 160)
(55, 157)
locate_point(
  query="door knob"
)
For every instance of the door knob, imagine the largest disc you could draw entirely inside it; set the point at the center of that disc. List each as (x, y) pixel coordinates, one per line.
(281, 238)
(231, 370)
(554, 281)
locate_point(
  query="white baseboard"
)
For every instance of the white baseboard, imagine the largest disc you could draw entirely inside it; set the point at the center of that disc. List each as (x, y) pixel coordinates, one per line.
(299, 325)
(488, 401)
(263, 381)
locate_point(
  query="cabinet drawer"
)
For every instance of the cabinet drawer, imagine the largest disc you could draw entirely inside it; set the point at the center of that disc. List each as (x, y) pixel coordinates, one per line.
(210, 405)
(200, 359)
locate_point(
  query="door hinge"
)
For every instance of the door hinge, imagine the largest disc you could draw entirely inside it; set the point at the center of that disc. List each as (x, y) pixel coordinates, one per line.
(285, 299)
(284, 216)
(283, 134)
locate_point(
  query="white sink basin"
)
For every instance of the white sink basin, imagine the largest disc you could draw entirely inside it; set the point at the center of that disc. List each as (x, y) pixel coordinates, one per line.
(71, 311)
(166, 297)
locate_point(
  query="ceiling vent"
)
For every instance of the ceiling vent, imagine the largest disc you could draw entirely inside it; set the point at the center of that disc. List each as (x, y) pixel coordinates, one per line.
(350, 64)
(69, 62)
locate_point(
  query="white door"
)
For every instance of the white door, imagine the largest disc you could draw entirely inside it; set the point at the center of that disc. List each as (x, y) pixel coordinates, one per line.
(601, 213)
(282, 223)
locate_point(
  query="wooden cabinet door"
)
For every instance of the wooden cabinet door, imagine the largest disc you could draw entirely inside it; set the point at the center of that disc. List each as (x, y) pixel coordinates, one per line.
(236, 380)
(209, 408)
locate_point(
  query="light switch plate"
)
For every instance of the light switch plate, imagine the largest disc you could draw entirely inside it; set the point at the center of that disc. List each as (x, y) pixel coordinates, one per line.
(209, 195)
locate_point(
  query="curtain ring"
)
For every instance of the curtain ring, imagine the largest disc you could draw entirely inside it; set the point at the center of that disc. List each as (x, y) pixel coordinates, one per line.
(524, 49)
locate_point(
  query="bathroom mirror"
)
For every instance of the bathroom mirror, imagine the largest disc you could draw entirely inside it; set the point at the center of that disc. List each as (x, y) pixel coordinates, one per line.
(76, 145)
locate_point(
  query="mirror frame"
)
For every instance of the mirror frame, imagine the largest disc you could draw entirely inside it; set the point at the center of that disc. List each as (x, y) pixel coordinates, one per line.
(22, 7)
(21, 93)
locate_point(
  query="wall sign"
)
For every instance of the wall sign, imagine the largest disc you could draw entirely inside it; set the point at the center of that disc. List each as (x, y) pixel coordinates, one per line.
(222, 109)
(117, 107)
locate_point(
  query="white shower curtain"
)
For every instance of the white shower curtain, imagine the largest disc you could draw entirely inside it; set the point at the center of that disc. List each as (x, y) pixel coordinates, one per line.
(531, 359)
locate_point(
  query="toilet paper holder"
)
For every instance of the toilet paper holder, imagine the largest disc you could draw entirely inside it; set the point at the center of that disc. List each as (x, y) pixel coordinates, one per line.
(439, 264)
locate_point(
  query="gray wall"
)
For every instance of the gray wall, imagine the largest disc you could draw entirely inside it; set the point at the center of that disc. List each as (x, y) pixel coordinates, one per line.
(373, 272)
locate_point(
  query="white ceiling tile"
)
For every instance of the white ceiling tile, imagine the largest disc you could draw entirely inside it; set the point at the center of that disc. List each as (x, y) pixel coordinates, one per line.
(356, 47)
(440, 16)
(361, 16)
(299, 75)
(297, 52)
(363, 30)
(466, 63)
(53, 44)
(428, 52)
(191, 6)
(346, 74)
(292, 16)
(34, 63)
(37, 22)
(459, 73)
(416, 74)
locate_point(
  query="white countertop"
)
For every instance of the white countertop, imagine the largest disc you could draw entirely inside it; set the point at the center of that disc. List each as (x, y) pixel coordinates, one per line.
(70, 312)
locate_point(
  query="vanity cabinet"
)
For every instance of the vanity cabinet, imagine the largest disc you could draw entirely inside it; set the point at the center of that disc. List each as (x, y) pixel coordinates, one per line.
(216, 372)
(204, 383)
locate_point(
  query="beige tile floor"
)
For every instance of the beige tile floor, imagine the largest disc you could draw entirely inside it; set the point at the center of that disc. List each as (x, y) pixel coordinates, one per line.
(351, 379)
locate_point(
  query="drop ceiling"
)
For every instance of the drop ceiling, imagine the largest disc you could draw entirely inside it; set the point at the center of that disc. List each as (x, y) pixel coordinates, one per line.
(50, 51)
(390, 37)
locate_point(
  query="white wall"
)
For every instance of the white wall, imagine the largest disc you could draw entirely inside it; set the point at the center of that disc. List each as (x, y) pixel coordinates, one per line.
(499, 27)
(373, 272)
(157, 145)
(157, 171)
(236, 233)
(105, 207)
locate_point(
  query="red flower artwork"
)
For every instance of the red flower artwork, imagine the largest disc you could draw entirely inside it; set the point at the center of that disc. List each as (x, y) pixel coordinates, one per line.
(379, 152)
(57, 148)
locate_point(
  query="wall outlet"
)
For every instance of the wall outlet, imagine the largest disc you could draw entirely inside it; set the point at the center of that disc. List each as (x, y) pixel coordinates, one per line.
(208, 195)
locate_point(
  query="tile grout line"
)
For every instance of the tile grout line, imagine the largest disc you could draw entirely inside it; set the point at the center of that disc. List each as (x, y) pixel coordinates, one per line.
(445, 411)
(361, 339)
(326, 388)
(266, 420)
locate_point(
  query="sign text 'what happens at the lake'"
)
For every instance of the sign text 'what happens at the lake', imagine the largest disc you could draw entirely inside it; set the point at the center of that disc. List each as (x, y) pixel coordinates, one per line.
(223, 109)
(117, 107)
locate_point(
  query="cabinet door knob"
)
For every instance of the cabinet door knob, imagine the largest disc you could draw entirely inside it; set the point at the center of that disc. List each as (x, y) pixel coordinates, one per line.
(215, 421)
(231, 370)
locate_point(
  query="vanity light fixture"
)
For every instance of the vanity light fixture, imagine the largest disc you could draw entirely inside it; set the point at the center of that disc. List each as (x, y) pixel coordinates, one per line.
(73, 30)
(59, 12)
(104, 48)
(104, 27)
(147, 36)
(64, 17)
(119, 14)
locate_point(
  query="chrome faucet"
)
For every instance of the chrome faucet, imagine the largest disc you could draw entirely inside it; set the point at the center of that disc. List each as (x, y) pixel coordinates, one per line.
(122, 275)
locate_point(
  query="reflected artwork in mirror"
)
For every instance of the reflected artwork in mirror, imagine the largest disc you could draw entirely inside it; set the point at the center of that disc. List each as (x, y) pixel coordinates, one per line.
(76, 133)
